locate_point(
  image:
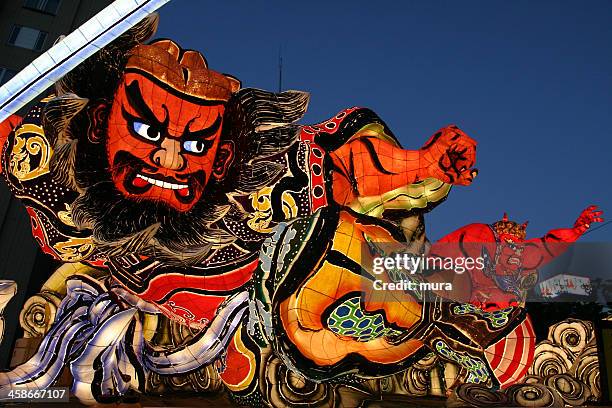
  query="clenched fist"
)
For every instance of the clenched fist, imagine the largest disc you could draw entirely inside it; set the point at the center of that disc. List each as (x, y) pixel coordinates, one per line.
(451, 155)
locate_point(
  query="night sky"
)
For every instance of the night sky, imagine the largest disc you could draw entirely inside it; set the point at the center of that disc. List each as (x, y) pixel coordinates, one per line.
(531, 81)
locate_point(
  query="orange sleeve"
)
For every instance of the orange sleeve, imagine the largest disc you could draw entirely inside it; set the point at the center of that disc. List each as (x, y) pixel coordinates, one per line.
(6, 128)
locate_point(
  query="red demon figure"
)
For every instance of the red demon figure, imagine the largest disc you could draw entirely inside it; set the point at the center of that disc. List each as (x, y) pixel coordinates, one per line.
(509, 261)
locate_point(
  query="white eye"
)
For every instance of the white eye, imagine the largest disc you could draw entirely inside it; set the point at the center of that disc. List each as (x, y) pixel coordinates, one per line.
(146, 131)
(194, 146)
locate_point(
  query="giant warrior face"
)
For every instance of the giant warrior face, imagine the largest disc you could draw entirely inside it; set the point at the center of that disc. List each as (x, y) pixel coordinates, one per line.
(164, 126)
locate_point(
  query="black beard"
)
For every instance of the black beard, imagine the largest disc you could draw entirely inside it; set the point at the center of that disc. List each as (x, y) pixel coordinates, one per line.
(123, 226)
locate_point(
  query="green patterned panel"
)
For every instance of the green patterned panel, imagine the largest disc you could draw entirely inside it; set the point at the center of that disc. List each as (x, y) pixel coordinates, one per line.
(497, 318)
(348, 319)
(477, 370)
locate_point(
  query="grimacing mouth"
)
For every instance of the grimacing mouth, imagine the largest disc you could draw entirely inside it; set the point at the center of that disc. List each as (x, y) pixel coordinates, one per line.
(513, 260)
(140, 177)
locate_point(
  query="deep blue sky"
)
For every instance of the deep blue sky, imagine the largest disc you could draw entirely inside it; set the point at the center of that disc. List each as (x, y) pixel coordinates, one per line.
(531, 81)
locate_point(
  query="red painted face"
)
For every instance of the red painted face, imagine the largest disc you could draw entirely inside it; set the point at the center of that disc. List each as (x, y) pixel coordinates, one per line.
(164, 147)
(510, 260)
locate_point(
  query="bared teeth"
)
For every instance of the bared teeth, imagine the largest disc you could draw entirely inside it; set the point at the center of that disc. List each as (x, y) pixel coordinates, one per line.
(163, 184)
(514, 261)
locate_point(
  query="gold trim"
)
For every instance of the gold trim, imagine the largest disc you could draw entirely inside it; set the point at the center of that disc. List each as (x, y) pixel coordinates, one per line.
(75, 249)
(66, 216)
(32, 144)
(261, 218)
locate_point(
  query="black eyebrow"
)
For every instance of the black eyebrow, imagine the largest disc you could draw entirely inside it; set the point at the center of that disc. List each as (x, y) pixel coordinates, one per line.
(204, 133)
(137, 102)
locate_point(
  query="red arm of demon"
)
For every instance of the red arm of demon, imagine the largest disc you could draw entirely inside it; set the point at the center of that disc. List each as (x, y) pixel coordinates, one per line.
(370, 166)
(6, 128)
(540, 251)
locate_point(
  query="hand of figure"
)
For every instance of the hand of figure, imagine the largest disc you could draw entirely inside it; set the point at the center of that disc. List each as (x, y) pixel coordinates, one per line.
(587, 217)
(451, 155)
